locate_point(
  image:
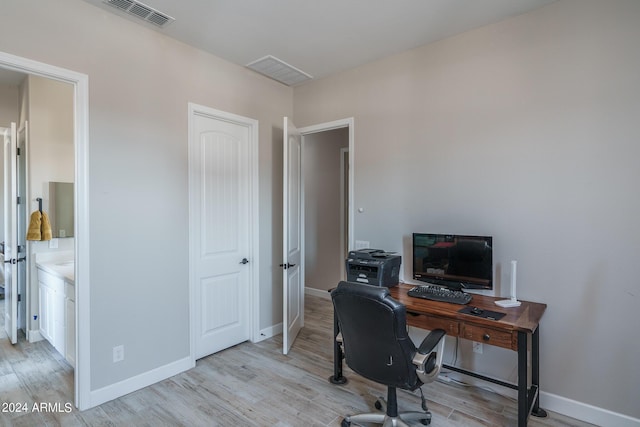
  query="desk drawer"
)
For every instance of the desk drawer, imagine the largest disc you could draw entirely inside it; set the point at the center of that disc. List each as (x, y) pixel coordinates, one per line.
(423, 321)
(490, 336)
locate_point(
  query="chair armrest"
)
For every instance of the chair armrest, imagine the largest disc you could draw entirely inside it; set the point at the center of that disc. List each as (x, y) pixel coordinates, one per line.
(431, 340)
(428, 358)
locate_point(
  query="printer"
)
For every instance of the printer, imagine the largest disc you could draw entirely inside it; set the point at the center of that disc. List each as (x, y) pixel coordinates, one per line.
(373, 267)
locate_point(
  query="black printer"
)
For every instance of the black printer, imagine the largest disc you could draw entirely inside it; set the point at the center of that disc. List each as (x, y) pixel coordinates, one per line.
(373, 267)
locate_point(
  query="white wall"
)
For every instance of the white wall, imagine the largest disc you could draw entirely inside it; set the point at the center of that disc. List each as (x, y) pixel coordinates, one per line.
(140, 83)
(8, 104)
(50, 116)
(526, 130)
(324, 264)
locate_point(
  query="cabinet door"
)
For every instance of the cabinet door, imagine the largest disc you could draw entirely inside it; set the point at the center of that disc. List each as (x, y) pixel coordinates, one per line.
(52, 309)
(45, 304)
(58, 321)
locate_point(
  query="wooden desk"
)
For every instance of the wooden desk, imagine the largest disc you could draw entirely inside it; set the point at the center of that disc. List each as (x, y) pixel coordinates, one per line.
(514, 331)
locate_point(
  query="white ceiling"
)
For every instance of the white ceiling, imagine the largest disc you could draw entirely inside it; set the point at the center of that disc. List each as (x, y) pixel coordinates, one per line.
(318, 37)
(323, 36)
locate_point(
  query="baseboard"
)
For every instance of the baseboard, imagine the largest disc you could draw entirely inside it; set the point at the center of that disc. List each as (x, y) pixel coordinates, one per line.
(269, 332)
(585, 412)
(558, 404)
(113, 391)
(317, 293)
(564, 406)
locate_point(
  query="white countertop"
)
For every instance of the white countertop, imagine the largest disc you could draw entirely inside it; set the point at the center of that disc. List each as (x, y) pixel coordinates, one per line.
(63, 269)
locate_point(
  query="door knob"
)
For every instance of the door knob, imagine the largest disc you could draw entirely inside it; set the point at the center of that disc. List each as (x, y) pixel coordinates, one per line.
(244, 261)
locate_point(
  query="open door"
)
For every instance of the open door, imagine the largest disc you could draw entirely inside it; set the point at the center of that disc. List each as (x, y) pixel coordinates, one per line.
(10, 235)
(21, 225)
(292, 283)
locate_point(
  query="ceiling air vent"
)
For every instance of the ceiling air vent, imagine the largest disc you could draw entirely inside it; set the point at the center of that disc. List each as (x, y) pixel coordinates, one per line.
(278, 70)
(142, 11)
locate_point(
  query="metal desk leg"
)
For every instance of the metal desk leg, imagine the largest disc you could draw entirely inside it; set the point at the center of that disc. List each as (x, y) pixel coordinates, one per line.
(523, 401)
(536, 411)
(337, 377)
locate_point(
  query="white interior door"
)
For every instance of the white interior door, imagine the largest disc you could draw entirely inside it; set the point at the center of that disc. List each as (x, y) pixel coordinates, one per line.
(10, 234)
(220, 230)
(21, 225)
(292, 283)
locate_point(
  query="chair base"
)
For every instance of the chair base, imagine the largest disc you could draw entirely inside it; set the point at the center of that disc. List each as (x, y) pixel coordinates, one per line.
(401, 420)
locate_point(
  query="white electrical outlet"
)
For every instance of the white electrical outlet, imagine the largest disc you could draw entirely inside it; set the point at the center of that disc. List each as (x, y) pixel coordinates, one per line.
(477, 347)
(118, 353)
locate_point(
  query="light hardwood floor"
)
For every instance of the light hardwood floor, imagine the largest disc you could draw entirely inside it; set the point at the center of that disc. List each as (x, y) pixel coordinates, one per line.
(246, 385)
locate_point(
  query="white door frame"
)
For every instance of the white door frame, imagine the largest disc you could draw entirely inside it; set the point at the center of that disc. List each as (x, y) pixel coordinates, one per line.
(323, 127)
(80, 82)
(254, 215)
(343, 245)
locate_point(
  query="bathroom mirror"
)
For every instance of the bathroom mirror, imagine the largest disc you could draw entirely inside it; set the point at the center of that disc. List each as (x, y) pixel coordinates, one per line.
(61, 208)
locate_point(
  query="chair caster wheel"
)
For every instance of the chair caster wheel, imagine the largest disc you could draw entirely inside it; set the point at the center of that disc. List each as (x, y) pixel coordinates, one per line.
(345, 423)
(378, 405)
(425, 422)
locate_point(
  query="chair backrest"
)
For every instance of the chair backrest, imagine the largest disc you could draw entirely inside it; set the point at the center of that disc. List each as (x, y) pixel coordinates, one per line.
(374, 333)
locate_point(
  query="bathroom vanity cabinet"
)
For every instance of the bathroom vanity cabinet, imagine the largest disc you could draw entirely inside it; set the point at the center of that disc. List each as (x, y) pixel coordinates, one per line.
(57, 309)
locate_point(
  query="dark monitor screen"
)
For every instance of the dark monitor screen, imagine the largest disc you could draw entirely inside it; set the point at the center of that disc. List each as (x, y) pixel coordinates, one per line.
(457, 262)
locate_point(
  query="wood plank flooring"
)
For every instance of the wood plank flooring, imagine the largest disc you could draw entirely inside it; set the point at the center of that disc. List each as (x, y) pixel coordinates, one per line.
(246, 385)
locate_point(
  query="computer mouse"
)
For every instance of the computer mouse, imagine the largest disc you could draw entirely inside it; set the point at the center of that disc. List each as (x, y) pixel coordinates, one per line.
(476, 310)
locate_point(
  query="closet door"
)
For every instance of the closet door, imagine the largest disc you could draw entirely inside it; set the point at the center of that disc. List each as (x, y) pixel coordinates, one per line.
(221, 212)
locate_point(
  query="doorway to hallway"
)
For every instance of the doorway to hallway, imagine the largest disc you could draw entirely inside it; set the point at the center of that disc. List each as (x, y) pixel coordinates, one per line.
(325, 175)
(291, 303)
(333, 159)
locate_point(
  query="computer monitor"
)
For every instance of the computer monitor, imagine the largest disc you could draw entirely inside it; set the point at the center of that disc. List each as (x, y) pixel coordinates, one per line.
(455, 261)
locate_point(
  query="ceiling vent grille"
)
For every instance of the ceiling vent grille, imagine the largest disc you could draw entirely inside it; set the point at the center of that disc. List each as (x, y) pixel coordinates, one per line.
(279, 70)
(142, 11)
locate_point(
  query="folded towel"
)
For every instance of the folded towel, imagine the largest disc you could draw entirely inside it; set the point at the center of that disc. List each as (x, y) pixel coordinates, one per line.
(35, 223)
(46, 227)
(39, 227)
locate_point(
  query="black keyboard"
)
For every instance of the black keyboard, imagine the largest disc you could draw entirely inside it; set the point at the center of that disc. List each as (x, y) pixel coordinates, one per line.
(438, 293)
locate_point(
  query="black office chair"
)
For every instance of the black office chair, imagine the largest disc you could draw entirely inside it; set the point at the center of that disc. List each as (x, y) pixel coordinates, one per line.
(373, 333)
